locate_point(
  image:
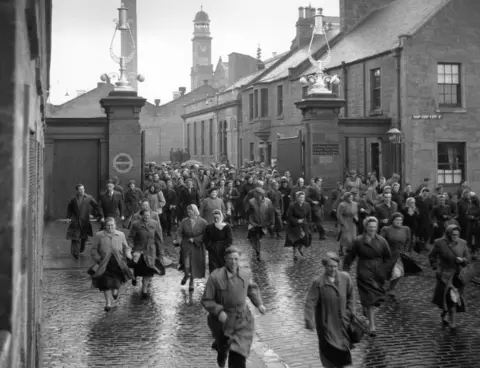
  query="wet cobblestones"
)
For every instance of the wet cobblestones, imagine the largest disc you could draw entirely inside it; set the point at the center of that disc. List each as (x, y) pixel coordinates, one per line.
(169, 329)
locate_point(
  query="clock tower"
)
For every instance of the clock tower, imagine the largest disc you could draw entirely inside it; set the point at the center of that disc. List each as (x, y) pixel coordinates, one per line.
(202, 67)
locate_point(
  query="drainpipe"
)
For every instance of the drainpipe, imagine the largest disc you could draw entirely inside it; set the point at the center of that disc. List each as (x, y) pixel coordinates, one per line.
(345, 87)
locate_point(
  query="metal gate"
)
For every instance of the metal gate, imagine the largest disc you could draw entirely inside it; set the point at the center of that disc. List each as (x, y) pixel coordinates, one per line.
(291, 156)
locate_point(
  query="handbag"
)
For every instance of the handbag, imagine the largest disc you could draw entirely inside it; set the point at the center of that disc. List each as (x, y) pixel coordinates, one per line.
(356, 329)
(93, 269)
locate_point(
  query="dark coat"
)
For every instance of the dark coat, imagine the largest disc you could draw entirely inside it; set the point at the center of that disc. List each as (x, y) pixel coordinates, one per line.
(190, 196)
(315, 195)
(170, 196)
(329, 307)
(424, 206)
(462, 207)
(411, 220)
(80, 226)
(372, 267)
(112, 206)
(146, 238)
(443, 259)
(193, 252)
(294, 229)
(276, 198)
(216, 242)
(383, 212)
(133, 198)
(438, 216)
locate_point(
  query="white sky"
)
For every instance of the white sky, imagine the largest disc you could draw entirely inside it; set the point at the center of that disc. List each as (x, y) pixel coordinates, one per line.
(83, 29)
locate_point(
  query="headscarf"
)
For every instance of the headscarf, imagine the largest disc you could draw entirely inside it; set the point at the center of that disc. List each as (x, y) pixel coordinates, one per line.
(220, 225)
(194, 209)
(394, 216)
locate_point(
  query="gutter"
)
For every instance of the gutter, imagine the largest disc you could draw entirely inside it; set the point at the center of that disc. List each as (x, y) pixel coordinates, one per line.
(211, 109)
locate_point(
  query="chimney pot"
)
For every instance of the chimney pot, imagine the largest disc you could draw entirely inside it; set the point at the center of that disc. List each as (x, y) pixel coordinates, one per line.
(157, 102)
(301, 13)
(319, 11)
(182, 90)
(205, 82)
(274, 54)
(311, 12)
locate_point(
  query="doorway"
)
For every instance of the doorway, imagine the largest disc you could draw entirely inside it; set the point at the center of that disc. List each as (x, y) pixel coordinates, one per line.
(364, 154)
(74, 162)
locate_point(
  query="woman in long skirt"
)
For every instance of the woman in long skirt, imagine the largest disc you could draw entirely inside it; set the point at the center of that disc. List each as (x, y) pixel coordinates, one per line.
(398, 238)
(110, 251)
(190, 237)
(145, 239)
(217, 238)
(448, 256)
(299, 217)
(347, 216)
(373, 261)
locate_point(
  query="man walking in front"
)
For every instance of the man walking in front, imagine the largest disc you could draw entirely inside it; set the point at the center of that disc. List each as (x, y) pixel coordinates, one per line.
(261, 218)
(229, 318)
(78, 214)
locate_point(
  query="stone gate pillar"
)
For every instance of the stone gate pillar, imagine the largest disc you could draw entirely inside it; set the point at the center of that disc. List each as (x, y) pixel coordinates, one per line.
(323, 148)
(124, 135)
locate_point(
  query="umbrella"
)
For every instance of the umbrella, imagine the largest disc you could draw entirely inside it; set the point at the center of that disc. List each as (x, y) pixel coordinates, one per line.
(192, 162)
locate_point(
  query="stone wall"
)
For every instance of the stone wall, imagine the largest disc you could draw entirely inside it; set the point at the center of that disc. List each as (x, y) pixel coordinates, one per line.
(451, 36)
(24, 68)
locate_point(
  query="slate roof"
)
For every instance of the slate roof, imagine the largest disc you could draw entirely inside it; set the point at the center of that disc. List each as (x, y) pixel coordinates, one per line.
(297, 57)
(378, 32)
(248, 78)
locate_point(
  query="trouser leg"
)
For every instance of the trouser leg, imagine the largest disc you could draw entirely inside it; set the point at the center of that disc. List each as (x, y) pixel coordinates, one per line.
(83, 242)
(75, 248)
(236, 360)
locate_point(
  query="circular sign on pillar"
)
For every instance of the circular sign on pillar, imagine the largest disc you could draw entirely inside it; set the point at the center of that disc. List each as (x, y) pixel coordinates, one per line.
(123, 163)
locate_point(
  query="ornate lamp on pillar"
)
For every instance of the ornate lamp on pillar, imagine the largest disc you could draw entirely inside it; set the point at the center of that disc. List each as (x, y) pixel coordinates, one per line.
(320, 109)
(123, 106)
(397, 138)
(122, 83)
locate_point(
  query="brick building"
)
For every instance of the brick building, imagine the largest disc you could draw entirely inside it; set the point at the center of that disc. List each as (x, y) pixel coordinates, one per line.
(212, 125)
(25, 36)
(263, 100)
(413, 65)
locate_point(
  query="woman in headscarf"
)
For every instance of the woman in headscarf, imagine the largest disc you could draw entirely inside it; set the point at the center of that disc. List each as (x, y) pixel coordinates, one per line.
(110, 251)
(411, 220)
(299, 217)
(398, 238)
(155, 198)
(217, 238)
(353, 181)
(347, 216)
(330, 302)
(210, 204)
(374, 257)
(190, 237)
(145, 239)
(448, 256)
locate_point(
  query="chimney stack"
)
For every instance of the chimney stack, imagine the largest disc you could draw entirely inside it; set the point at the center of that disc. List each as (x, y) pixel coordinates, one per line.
(182, 90)
(301, 13)
(205, 82)
(304, 28)
(176, 95)
(352, 11)
(157, 102)
(309, 12)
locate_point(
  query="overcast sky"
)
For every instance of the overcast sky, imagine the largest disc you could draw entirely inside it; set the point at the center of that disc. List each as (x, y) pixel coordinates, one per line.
(83, 29)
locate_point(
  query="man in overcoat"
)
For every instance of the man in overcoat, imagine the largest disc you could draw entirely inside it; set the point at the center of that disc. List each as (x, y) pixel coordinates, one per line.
(78, 214)
(111, 204)
(229, 317)
(315, 198)
(385, 210)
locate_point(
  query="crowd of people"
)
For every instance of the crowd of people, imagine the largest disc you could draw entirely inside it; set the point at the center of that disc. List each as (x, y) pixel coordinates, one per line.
(197, 207)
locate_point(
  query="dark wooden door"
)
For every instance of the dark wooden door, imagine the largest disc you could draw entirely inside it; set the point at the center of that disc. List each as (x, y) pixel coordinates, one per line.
(290, 156)
(74, 162)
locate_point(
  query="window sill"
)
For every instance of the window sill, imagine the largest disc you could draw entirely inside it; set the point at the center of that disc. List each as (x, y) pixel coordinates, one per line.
(451, 110)
(376, 112)
(280, 117)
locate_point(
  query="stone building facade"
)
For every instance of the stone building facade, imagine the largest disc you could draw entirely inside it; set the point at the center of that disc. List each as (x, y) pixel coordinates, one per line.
(25, 36)
(424, 83)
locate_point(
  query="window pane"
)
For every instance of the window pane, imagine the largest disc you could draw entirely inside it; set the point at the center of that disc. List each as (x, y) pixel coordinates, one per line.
(441, 177)
(454, 97)
(448, 79)
(448, 69)
(455, 69)
(441, 69)
(455, 79)
(441, 78)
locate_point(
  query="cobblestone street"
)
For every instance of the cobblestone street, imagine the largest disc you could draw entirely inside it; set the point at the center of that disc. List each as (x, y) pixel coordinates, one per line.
(169, 329)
